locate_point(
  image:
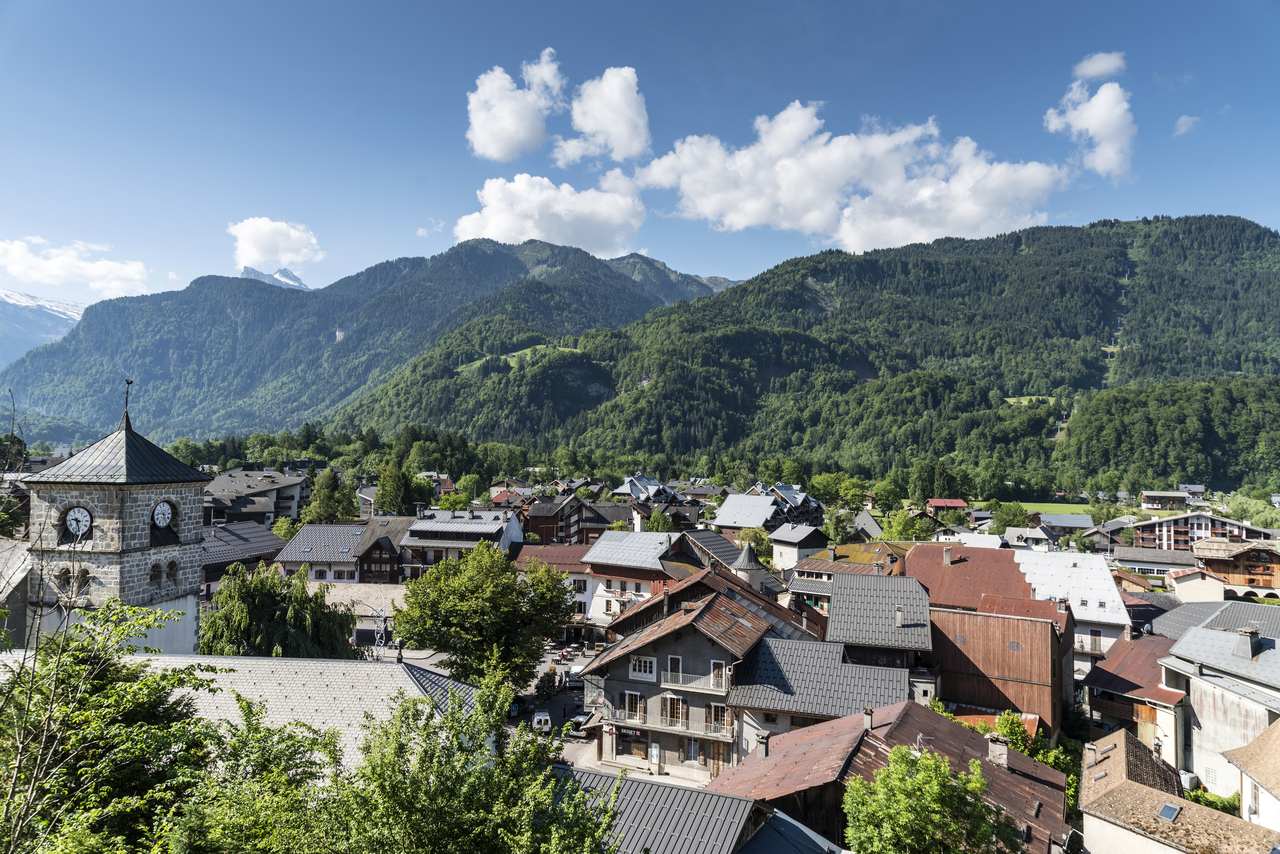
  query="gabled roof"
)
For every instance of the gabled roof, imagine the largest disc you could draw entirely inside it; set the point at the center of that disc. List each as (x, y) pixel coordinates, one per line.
(1177, 622)
(747, 560)
(1082, 579)
(238, 482)
(836, 567)
(1260, 758)
(437, 521)
(1132, 669)
(971, 573)
(633, 549)
(661, 818)
(123, 457)
(390, 529)
(867, 524)
(746, 511)
(1220, 548)
(864, 612)
(318, 543)
(723, 621)
(792, 534)
(947, 503)
(238, 541)
(811, 678)
(1081, 521)
(1221, 650)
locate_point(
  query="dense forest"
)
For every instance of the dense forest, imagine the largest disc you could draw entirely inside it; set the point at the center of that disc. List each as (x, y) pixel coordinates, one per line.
(1120, 354)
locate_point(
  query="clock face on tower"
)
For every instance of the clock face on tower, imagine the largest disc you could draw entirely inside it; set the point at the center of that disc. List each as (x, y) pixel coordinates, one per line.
(79, 521)
(162, 515)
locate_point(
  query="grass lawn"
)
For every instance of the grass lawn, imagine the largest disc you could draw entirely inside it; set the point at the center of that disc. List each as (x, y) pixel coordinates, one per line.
(1051, 507)
(511, 358)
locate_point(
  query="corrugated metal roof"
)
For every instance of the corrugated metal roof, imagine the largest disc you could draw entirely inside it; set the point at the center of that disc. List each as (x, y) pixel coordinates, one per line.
(1132, 669)
(711, 543)
(864, 609)
(239, 541)
(811, 586)
(124, 457)
(660, 818)
(322, 693)
(811, 678)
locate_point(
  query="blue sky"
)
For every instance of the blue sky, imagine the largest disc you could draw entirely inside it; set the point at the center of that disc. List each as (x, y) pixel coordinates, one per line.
(135, 136)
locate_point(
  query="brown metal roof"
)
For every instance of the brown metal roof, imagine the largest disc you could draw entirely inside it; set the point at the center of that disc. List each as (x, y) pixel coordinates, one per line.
(797, 760)
(1043, 609)
(971, 573)
(566, 558)
(1131, 669)
(835, 567)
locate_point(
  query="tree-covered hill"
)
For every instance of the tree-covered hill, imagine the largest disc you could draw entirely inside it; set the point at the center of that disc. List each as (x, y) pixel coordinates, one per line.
(976, 348)
(236, 354)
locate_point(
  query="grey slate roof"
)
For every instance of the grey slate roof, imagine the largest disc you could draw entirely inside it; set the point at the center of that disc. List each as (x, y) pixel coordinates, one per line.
(1067, 520)
(635, 549)
(717, 546)
(791, 533)
(747, 560)
(437, 521)
(241, 482)
(1135, 554)
(863, 611)
(1237, 615)
(811, 678)
(238, 541)
(812, 586)
(867, 524)
(782, 834)
(746, 511)
(124, 457)
(1176, 623)
(1163, 601)
(441, 688)
(661, 818)
(1218, 649)
(323, 544)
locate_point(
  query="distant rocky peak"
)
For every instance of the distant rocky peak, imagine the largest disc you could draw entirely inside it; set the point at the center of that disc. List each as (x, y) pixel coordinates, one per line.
(284, 278)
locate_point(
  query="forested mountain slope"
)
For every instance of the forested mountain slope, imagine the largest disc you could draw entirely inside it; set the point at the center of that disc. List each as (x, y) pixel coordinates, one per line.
(237, 354)
(976, 348)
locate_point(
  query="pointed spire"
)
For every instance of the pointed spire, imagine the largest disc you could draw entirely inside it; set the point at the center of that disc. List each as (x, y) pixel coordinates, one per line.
(747, 559)
(125, 424)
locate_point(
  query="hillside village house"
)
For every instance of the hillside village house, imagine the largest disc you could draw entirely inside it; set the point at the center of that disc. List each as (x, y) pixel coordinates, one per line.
(792, 543)
(1248, 568)
(1180, 533)
(1126, 690)
(437, 535)
(1227, 664)
(567, 558)
(805, 772)
(1154, 499)
(934, 506)
(1132, 802)
(1152, 561)
(249, 495)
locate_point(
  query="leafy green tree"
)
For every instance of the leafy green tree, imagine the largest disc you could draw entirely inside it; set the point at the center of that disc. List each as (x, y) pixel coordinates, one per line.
(285, 528)
(905, 525)
(332, 499)
(619, 525)
(1007, 514)
(454, 501)
(94, 746)
(260, 612)
(395, 492)
(917, 805)
(758, 539)
(469, 485)
(470, 607)
(12, 519)
(659, 522)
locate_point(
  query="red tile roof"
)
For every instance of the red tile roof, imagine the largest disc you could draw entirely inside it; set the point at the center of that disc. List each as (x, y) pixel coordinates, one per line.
(972, 572)
(947, 503)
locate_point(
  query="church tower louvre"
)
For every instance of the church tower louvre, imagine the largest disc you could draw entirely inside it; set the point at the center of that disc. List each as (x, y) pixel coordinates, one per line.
(120, 519)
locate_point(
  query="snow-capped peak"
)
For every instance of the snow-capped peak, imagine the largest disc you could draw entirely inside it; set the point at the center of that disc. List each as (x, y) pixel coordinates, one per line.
(283, 278)
(62, 309)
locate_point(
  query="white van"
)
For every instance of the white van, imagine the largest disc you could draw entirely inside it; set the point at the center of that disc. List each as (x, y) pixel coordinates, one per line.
(542, 721)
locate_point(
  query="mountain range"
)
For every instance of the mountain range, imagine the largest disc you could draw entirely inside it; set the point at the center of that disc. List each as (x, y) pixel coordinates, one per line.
(27, 322)
(993, 351)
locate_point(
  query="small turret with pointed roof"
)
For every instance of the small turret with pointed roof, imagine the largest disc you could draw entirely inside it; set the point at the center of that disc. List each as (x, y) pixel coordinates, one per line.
(747, 560)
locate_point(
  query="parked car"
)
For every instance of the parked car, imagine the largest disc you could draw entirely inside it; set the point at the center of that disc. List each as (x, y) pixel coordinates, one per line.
(542, 721)
(576, 724)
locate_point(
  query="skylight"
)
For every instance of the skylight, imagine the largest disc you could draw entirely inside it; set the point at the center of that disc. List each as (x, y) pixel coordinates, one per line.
(1169, 812)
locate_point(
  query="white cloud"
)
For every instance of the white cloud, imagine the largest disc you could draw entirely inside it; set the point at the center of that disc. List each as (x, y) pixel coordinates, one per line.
(1101, 121)
(1098, 66)
(506, 120)
(863, 190)
(1185, 124)
(610, 113)
(433, 226)
(35, 263)
(172, 276)
(600, 220)
(268, 244)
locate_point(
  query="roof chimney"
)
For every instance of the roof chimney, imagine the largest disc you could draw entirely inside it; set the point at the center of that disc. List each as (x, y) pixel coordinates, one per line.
(1062, 604)
(1249, 642)
(867, 718)
(946, 555)
(666, 600)
(998, 749)
(763, 738)
(897, 616)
